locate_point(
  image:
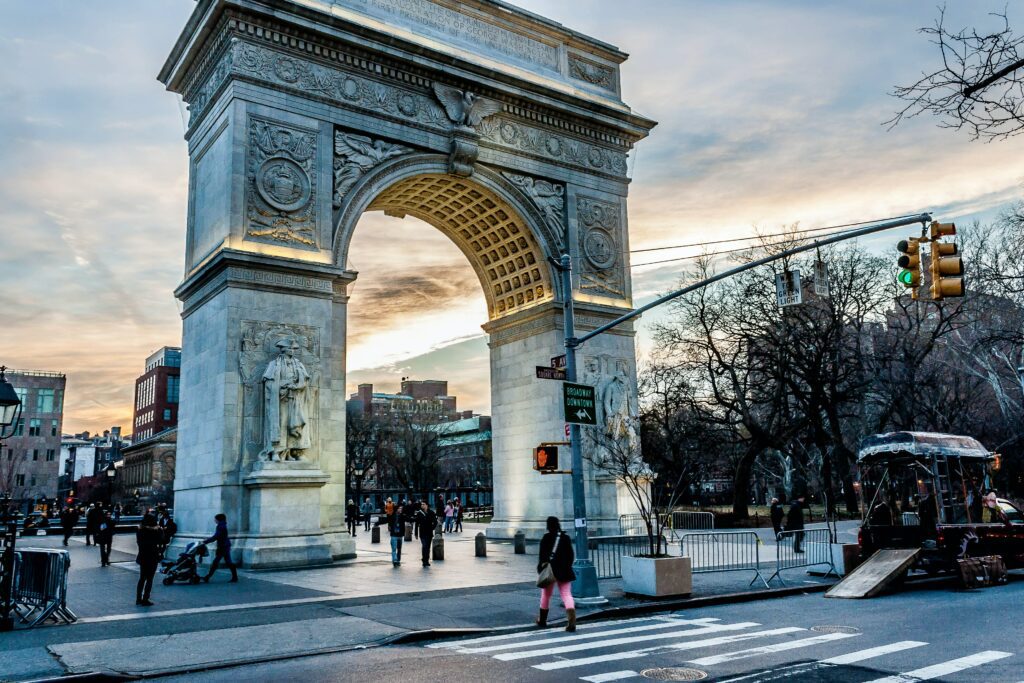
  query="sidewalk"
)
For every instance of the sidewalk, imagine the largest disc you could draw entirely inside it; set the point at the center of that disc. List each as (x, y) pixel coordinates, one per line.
(273, 614)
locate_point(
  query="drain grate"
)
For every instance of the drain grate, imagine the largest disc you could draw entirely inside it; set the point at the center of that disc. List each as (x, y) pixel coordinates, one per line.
(831, 628)
(674, 674)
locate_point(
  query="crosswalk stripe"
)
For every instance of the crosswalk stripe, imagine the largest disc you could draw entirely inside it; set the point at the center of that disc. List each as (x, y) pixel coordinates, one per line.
(633, 654)
(945, 668)
(577, 637)
(861, 655)
(525, 634)
(592, 645)
(769, 649)
(610, 676)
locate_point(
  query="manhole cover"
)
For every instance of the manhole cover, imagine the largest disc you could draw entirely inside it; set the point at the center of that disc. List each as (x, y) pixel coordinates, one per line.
(674, 674)
(835, 629)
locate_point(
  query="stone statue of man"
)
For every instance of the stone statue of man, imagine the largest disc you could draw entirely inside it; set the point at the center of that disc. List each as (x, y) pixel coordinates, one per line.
(285, 428)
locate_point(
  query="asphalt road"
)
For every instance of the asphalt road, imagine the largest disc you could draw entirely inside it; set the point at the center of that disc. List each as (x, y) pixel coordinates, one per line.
(927, 632)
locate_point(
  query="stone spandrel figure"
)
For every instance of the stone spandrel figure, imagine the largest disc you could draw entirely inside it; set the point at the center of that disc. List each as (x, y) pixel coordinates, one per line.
(285, 428)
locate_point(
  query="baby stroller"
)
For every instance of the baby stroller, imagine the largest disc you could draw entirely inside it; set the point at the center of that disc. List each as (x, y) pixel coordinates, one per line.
(186, 567)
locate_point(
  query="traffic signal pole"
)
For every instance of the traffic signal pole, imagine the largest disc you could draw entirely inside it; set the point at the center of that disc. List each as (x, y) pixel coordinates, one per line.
(585, 586)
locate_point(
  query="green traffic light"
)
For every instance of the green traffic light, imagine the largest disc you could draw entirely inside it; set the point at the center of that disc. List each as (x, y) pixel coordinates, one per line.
(906, 277)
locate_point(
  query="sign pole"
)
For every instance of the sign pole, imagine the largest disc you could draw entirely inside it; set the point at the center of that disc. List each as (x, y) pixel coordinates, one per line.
(585, 586)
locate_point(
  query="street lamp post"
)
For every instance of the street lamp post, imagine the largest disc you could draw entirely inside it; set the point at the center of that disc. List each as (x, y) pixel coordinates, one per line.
(359, 471)
(10, 411)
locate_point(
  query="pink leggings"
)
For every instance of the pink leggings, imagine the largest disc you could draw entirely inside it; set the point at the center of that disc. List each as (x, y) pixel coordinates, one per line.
(564, 589)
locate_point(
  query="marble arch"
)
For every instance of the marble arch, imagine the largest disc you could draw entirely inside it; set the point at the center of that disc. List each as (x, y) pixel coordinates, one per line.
(502, 129)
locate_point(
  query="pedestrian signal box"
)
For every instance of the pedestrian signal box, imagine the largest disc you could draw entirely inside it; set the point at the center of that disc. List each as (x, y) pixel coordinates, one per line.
(545, 459)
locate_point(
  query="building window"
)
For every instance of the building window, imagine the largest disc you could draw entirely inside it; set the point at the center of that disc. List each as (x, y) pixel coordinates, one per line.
(19, 429)
(167, 414)
(172, 388)
(35, 454)
(50, 455)
(32, 481)
(22, 393)
(19, 480)
(53, 427)
(44, 401)
(10, 454)
(35, 427)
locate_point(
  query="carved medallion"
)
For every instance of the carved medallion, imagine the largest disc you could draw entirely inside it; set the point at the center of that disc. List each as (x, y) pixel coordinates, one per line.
(599, 248)
(283, 184)
(601, 270)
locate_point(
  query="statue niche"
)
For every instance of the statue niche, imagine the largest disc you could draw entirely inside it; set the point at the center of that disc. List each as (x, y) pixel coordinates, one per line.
(285, 425)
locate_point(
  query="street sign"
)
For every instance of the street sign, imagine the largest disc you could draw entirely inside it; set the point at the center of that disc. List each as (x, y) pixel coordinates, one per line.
(787, 288)
(579, 404)
(558, 361)
(549, 373)
(821, 278)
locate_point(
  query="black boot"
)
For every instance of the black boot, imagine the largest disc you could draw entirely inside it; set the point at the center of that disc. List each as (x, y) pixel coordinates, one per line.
(542, 620)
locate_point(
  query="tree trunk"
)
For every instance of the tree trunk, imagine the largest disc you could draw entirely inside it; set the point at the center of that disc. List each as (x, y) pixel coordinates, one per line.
(741, 484)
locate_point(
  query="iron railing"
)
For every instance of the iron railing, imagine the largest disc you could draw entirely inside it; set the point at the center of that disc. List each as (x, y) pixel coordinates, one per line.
(723, 551)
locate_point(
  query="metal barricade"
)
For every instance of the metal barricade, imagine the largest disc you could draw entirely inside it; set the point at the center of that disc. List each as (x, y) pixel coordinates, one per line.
(911, 519)
(606, 552)
(41, 585)
(723, 551)
(632, 525)
(803, 548)
(679, 520)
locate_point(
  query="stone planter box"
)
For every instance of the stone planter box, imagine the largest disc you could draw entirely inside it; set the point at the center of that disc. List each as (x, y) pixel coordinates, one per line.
(657, 576)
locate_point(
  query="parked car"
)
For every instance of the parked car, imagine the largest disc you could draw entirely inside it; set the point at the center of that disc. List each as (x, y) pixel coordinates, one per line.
(35, 521)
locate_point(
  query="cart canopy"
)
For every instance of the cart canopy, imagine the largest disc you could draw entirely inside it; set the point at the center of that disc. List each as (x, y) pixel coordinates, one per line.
(914, 444)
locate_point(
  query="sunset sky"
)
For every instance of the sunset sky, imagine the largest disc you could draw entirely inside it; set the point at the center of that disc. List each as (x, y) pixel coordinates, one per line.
(769, 113)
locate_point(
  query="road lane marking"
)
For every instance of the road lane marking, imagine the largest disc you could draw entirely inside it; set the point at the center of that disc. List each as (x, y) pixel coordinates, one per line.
(593, 645)
(610, 676)
(770, 649)
(586, 636)
(525, 634)
(633, 654)
(861, 655)
(945, 668)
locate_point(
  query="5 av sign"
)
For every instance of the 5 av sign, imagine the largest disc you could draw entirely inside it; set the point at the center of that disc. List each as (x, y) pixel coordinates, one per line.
(578, 402)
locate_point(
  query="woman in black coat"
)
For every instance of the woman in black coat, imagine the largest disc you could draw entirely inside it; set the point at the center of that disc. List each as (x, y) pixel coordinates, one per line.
(150, 538)
(556, 549)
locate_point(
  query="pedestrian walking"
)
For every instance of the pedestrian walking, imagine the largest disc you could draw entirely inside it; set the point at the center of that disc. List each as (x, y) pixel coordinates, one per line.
(92, 523)
(426, 520)
(351, 517)
(396, 529)
(366, 509)
(223, 552)
(68, 520)
(117, 514)
(169, 528)
(795, 522)
(148, 538)
(776, 513)
(105, 538)
(556, 554)
(449, 517)
(389, 507)
(458, 515)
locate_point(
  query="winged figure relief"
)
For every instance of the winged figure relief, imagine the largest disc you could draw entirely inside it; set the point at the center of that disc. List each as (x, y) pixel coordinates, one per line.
(354, 155)
(464, 107)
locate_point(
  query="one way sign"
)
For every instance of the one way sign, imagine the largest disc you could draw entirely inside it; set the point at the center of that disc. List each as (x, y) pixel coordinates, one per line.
(578, 402)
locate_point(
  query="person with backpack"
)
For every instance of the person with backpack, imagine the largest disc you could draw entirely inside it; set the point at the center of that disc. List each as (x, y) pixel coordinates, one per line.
(554, 568)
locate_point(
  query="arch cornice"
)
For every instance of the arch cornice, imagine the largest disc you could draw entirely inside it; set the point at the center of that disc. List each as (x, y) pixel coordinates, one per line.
(390, 173)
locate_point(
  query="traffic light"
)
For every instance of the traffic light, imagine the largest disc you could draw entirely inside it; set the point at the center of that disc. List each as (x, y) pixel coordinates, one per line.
(545, 459)
(910, 263)
(946, 267)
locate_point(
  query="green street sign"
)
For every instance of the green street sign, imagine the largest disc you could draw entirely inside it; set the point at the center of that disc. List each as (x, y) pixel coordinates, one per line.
(579, 404)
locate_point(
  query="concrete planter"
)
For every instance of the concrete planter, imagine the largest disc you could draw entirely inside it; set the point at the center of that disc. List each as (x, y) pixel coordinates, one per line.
(657, 576)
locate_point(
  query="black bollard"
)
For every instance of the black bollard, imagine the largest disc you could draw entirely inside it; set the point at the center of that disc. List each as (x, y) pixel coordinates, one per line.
(519, 541)
(481, 544)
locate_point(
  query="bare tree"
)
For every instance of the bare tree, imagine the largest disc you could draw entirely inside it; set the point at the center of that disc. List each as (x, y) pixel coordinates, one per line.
(411, 450)
(979, 87)
(10, 466)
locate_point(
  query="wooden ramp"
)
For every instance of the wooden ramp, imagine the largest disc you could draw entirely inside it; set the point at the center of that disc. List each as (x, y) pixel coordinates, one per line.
(873, 576)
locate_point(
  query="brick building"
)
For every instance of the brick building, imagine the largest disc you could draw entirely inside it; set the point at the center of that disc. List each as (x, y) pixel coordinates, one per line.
(29, 461)
(156, 394)
(424, 397)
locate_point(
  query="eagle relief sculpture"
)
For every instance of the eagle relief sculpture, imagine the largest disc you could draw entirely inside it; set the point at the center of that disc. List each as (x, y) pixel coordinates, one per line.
(285, 425)
(464, 107)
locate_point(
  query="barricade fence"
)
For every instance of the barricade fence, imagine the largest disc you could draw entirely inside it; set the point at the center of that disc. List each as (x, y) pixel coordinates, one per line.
(911, 519)
(803, 548)
(723, 551)
(40, 588)
(606, 552)
(673, 522)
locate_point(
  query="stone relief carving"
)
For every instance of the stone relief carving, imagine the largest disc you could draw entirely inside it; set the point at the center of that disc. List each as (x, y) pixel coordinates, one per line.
(313, 79)
(602, 265)
(614, 387)
(591, 72)
(285, 425)
(467, 111)
(259, 352)
(508, 133)
(548, 197)
(354, 155)
(281, 185)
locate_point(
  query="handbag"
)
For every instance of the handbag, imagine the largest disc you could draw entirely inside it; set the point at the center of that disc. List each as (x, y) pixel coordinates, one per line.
(546, 577)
